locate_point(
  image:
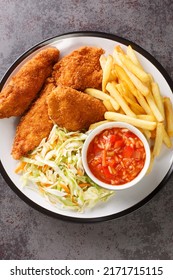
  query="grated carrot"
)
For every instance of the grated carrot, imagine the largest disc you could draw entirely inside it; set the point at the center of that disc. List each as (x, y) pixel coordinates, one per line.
(79, 172)
(83, 185)
(74, 201)
(40, 188)
(45, 167)
(20, 167)
(45, 185)
(65, 188)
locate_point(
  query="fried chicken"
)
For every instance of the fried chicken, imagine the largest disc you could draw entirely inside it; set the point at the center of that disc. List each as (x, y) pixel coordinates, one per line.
(33, 126)
(80, 69)
(73, 109)
(22, 89)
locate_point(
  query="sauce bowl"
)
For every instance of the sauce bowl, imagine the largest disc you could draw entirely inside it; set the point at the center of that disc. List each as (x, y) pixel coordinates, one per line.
(116, 155)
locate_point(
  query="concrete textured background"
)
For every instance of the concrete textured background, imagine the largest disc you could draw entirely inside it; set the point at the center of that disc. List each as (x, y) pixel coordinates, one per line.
(144, 234)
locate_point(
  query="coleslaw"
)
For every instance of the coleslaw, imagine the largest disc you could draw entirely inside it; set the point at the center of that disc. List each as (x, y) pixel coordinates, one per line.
(56, 171)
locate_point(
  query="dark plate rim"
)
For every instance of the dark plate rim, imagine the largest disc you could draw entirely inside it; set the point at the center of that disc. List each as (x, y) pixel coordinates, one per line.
(112, 37)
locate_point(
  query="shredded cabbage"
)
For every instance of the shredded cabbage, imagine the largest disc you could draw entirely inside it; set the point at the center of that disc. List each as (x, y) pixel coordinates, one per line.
(55, 168)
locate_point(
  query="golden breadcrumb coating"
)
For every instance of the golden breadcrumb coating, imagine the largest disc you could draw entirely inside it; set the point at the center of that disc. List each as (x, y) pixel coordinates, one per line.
(23, 87)
(73, 109)
(33, 126)
(80, 69)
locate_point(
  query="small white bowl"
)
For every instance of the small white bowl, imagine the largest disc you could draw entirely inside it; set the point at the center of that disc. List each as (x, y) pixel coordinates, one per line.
(97, 131)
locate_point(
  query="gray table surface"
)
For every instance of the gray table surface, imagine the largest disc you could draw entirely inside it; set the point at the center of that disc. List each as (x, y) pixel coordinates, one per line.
(146, 233)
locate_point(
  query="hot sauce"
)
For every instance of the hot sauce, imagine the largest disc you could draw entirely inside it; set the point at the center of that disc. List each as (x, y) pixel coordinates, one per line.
(116, 156)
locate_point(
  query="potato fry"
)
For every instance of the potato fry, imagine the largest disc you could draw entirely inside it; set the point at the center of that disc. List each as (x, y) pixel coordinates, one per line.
(158, 140)
(94, 125)
(142, 101)
(120, 111)
(116, 58)
(168, 115)
(107, 72)
(127, 91)
(121, 90)
(131, 54)
(108, 105)
(102, 61)
(119, 49)
(147, 118)
(143, 88)
(154, 108)
(150, 77)
(113, 75)
(166, 139)
(158, 98)
(135, 109)
(134, 121)
(134, 105)
(122, 75)
(137, 71)
(111, 88)
(138, 84)
(115, 105)
(102, 96)
(97, 93)
(151, 163)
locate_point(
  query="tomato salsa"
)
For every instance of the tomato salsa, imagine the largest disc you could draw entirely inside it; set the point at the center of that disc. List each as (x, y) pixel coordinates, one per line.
(116, 156)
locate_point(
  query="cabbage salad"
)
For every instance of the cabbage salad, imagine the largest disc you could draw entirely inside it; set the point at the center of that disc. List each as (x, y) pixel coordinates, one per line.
(56, 171)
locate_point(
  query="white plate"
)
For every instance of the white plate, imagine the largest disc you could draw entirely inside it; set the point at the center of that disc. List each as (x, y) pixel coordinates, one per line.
(122, 202)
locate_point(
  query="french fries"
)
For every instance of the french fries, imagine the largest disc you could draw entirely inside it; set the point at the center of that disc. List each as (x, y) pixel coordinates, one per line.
(169, 115)
(122, 75)
(166, 138)
(147, 118)
(154, 108)
(102, 96)
(158, 139)
(111, 88)
(137, 71)
(138, 84)
(108, 105)
(131, 54)
(106, 72)
(158, 98)
(134, 121)
(102, 61)
(94, 125)
(131, 95)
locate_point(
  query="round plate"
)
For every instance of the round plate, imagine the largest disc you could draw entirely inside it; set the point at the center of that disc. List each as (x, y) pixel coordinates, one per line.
(122, 202)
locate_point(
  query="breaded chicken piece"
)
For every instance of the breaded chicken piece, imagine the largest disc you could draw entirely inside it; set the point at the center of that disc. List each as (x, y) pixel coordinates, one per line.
(80, 69)
(73, 109)
(33, 126)
(22, 89)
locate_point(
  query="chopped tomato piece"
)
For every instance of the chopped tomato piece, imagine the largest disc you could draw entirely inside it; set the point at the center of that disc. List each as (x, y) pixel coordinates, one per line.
(112, 138)
(129, 134)
(107, 173)
(128, 151)
(110, 162)
(96, 148)
(137, 154)
(119, 144)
